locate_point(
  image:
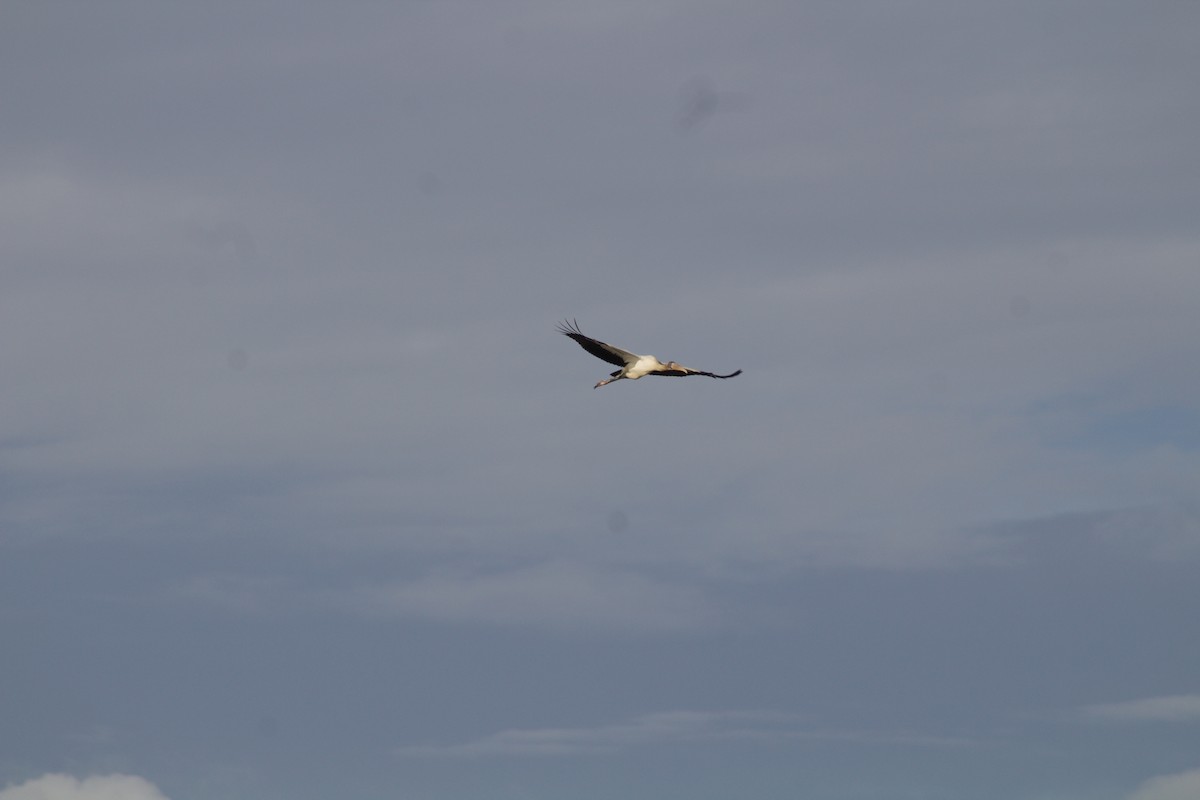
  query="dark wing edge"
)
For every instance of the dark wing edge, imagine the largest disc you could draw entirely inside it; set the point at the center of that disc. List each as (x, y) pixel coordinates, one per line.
(676, 373)
(594, 346)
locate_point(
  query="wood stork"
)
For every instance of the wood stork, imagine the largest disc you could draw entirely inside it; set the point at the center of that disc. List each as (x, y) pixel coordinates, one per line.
(631, 365)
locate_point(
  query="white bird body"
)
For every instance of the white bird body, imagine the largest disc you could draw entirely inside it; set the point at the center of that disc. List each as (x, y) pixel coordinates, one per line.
(632, 365)
(643, 366)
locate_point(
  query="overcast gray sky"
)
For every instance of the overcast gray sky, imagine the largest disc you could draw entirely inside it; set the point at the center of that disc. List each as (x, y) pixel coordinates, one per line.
(302, 495)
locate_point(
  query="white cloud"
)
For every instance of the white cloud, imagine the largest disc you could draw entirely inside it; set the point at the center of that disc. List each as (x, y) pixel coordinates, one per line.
(662, 728)
(658, 728)
(562, 595)
(96, 787)
(1172, 708)
(554, 594)
(1178, 786)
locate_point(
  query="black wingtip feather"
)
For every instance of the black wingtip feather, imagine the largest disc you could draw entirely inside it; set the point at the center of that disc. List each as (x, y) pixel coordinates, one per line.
(593, 346)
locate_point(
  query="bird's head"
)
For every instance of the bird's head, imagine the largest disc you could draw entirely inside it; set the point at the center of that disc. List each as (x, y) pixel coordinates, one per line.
(675, 365)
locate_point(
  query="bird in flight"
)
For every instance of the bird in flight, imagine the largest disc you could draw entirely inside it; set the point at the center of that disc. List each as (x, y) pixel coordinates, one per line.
(631, 365)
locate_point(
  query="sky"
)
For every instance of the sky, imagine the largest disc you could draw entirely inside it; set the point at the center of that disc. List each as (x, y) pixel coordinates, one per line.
(302, 495)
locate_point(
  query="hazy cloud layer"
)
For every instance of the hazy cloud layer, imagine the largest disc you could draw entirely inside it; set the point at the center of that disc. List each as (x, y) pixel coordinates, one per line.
(664, 728)
(560, 595)
(1175, 708)
(1178, 786)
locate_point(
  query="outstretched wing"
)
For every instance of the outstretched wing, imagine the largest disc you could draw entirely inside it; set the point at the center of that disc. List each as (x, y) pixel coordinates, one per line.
(683, 373)
(601, 350)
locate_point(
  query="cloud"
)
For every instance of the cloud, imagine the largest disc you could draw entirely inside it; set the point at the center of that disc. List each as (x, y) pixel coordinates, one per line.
(648, 729)
(662, 728)
(560, 595)
(1172, 708)
(1178, 786)
(96, 787)
(553, 594)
